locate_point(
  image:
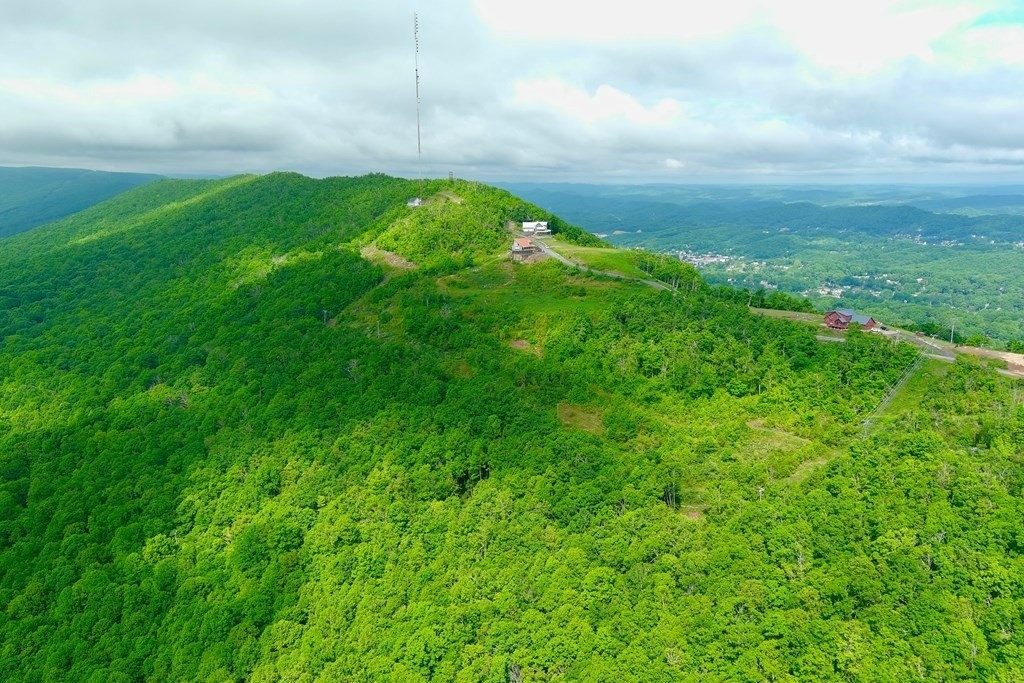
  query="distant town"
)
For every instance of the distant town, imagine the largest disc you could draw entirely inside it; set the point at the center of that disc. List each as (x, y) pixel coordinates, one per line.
(706, 259)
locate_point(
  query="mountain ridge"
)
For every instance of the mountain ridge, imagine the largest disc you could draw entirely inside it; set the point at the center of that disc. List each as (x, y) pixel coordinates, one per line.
(231, 448)
(32, 196)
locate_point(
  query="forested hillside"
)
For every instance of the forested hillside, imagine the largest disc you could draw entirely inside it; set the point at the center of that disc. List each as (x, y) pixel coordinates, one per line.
(234, 448)
(34, 196)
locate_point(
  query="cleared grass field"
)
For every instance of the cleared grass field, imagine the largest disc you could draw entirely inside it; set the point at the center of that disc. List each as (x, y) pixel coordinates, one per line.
(809, 318)
(538, 288)
(599, 258)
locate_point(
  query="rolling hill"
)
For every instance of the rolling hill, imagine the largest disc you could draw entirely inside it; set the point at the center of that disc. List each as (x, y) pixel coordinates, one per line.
(35, 196)
(271, 428)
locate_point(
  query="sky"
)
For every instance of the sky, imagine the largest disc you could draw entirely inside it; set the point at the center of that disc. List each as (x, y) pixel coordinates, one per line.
(523, 90)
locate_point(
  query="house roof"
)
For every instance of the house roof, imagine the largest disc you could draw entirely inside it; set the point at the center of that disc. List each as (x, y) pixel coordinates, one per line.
(854, 317)
(524, 242)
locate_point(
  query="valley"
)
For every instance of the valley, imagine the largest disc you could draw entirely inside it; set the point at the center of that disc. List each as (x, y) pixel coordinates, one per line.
(861, 247)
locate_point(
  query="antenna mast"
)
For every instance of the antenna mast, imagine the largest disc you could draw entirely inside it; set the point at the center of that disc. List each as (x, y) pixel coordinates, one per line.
(419, 147)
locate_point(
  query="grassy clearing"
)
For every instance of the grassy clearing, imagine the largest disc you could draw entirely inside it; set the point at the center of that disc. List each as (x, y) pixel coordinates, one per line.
(587, 419)
(538, 288)
(693, 511)
(809, 318)
(910, 397)
(497, 275)
(600, 258)
(804, 469)
(386, 258)
(765, 439)
(788, 455)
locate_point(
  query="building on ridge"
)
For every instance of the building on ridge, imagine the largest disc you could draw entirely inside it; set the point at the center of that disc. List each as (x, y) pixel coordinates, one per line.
(523, 247)
(840, 319)
(536, 228)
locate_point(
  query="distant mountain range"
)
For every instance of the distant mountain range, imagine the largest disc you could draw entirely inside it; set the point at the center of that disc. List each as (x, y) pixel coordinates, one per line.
(35, 196)
(657, 209)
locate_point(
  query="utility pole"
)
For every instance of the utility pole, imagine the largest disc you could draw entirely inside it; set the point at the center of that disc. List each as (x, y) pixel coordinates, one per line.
(952, 330)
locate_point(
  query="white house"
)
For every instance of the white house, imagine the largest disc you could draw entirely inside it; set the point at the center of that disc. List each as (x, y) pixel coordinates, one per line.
(536, 228)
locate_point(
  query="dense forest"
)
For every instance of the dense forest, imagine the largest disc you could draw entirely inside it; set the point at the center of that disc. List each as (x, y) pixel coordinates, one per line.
(271, 428)
(929, 258)
(35, 196)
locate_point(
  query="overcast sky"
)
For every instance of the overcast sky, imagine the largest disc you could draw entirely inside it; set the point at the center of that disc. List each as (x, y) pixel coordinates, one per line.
(645, 90)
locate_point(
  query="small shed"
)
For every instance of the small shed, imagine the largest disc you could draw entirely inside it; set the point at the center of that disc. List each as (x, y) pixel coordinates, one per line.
(840, 319)
(522, 247)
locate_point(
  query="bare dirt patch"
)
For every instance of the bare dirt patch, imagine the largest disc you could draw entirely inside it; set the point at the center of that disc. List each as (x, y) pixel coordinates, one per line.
(372, 253)
(1014, 361)
(692, 511)
(580, 418)
(524, 345)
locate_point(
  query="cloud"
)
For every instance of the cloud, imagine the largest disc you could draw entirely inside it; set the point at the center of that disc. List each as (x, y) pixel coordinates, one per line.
(553, 89)
(607, 104)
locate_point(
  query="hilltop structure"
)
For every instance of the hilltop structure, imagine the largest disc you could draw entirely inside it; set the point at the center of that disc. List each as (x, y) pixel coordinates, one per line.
(523, 247)
(840, 319)
(536, 228)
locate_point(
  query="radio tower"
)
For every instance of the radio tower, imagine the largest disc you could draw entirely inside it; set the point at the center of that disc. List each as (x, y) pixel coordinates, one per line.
(419, 147)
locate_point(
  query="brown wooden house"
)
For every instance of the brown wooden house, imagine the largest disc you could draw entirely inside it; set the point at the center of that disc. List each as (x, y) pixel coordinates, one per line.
(840, 319)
